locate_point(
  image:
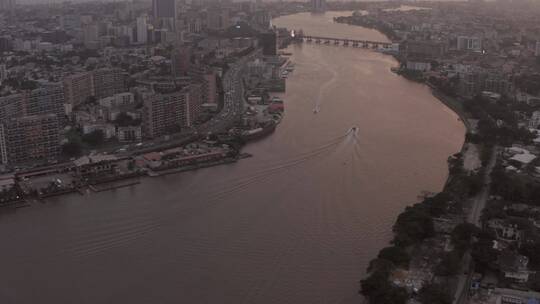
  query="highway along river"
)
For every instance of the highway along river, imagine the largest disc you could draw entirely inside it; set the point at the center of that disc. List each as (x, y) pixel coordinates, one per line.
(297, 223)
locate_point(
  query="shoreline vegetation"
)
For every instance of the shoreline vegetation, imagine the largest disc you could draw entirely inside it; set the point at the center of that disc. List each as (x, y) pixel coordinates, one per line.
(419, 223)
(441, 244)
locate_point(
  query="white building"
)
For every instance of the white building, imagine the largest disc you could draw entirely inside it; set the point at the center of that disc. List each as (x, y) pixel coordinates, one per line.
(117, 100)
(142, 30)
(418, 66)
(469, 43)
(129, 134)
(108, 129)
(534, 122)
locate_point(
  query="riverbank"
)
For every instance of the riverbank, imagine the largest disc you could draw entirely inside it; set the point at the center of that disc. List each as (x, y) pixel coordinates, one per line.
(418, 251)
(454, 105)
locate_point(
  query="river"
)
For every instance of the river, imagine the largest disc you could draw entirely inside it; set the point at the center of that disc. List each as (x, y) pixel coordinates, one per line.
(296, 223)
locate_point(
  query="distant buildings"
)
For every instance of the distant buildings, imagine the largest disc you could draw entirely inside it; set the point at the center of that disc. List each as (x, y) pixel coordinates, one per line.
(424, 49)
(7, 6)
(164, 13)
(318, 6)
(217, 18)
(467, 43)
(163, 9)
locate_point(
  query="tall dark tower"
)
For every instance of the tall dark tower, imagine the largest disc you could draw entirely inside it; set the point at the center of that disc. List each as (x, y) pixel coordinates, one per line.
(268, 43)
(164, 9)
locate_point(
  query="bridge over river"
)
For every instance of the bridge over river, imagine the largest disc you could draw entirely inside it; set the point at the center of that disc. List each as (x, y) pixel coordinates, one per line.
(345, 42)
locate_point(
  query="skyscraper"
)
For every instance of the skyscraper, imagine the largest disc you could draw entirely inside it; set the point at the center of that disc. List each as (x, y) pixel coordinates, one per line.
(142, 30)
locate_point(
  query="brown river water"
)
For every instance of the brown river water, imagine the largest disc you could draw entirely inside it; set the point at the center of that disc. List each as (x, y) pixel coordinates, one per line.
(296, 223)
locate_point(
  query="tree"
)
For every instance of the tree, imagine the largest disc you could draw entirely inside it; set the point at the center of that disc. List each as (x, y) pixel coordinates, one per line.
(124, 120)
(413, 225)
(449, 264)
(396, 255)
(379, 290)
(434, 294)
(532, 251)
(483, 253)
(94, 138)
(462, 235)
(534, 282)
(71, 149)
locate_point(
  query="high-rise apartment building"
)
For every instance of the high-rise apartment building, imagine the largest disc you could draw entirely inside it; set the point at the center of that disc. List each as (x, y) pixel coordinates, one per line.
(30, 138)
(99, 83)
(194, 101)
(78, 88)
(207, 77)
(108, 81)
(11, 106)
(181, 61)
(45, 100)
(3, 146)
(170, 112)
(165, 113)
(3, 73)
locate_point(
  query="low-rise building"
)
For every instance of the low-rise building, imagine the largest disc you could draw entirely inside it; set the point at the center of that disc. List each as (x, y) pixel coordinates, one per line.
(129, 134)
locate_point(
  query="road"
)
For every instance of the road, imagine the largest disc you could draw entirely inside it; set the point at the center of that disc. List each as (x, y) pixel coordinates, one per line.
(478, 205)
(233, 108)
(233, 102)
(479, 202)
